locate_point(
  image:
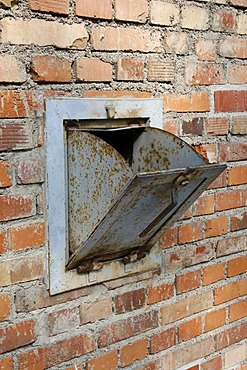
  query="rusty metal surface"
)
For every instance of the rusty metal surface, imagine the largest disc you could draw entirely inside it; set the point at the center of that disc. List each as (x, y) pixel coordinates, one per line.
(129, 205)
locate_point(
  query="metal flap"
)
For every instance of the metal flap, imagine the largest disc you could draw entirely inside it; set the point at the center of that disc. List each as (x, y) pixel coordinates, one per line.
(116, 205)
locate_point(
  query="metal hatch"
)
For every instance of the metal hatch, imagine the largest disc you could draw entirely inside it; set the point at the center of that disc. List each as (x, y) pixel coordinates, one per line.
(126, 186)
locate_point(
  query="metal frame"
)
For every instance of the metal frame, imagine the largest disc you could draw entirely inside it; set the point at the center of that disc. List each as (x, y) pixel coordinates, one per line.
(57, 111)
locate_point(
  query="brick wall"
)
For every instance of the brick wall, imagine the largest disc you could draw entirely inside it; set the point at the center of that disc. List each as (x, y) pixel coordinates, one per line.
(192, 313)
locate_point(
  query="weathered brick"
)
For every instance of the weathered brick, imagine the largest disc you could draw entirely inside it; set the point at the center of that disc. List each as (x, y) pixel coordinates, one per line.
(231, 291)
(14, 104)
(237, 266)
(127, 328)
(216, 227)
(239, 222)
(188, 281)
(215, 319)
(17, 335)
(97, 9)
(230, 101)
(130, 301)
(160, 292)
(107, 361)
(95, 311)
(237, 310)
(206, 50)
(27, 236)
(16, 206)
(171, 125)
(195, 18)
(220, 182)
(237, 175)
(131, 11)
(134, 351)
(239, 125)
(165, 14)
(23, 32)
(216, 126)
(5, 306)
(55, 353)
(231, 336)
(241, 24)
(11, 69)
(111, 38)
(30, 171)
(190, 232)
(117, 94)
(214, 364)
(190, 329)
(231, 245)
(224, 20)
(14, 136)
(163, 340)
(204, 205)
(5, 174)
(63, 320)
(233, 47)
(130, 69)
(46, 68)
(26, 269)
(228, 200)
(237, 74)
(239, 3)
(194, 102)
(235, 356)
(176, 42)
(233, 151)
(3, 242)
(50, 6)
(193, 126)
(204, 74)
(92, 70)
(186, 307)
(213, 273)
(7, 363)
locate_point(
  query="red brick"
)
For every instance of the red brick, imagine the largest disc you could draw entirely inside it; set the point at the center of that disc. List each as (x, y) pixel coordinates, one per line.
(237, 266)
(160, 70)
(27, 269)
(17, 335)
(239, 125)
(233, 47)
(220, 182)
(98, 310)
(216, 227)
(107, 361)
(214, 364)
(215, 319)
(127, 328)
(190, 329)
(230, 101)
(6, 363)
(14, 136)
(188, 281)
(204, 205)
(206, 50)
(237, 74)
(192, 126)
(131, 11)
(230, 291)
(163, 340)
(237, 175)
(27, 236)
(237, 310)
(186, 307)
(224, 21)
(194, 102)
(3, 242)
(170, 238)
(125, 39)
(30, 171)
(16, 206)
(204, 74)
(5, 174)
(231, 245)
(13, 105)
(216, 126)
(171, 125)
(96, 9)
(207, 151)
(130, 301)
(134, 351)
(92, 70)
(63, 320)
(233, 152)
(50, 6)
(5, 306)
(130, 69)
(231, 336)
(113, 284)
(190, 232)
(213, 273)
(11, 69)
(160, 292)
(239, 222)
(153, 365)
(117, 94)
(228, 200)
(46, 68)
(56, 353)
